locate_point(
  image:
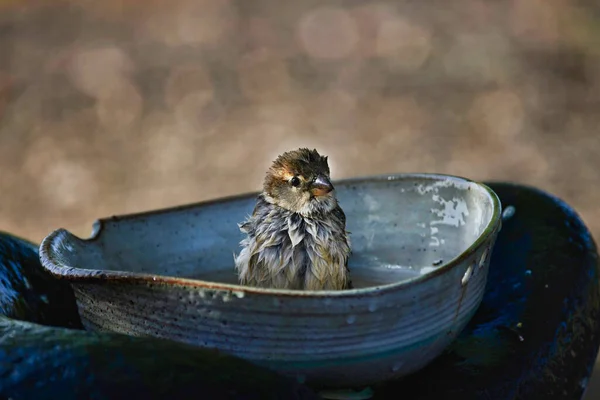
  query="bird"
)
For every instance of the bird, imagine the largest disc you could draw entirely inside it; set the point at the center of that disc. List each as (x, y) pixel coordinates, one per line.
(296, 236)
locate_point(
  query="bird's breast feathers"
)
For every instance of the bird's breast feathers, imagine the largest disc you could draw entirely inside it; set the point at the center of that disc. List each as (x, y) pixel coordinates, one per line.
(286, 250)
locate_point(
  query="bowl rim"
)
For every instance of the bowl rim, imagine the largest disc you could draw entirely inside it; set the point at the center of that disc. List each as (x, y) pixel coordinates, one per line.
(52, 264)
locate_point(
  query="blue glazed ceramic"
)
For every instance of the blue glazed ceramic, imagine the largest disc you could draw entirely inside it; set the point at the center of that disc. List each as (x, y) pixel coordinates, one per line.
(421, 250)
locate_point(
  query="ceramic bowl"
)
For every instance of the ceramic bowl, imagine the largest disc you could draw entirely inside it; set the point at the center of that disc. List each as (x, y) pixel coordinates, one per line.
(421, 248)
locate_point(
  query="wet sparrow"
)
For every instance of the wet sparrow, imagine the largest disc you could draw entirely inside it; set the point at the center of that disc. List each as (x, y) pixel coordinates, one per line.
(296, 235)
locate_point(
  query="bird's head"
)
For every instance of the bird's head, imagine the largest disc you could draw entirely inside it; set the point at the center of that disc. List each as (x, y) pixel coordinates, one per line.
(299, 181)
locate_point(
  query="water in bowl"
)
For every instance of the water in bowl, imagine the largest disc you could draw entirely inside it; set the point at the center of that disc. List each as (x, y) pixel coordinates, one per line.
(366, 269)
(371, 270)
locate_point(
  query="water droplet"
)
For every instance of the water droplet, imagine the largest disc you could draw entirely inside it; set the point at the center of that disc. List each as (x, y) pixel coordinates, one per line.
(372, 307)
(239, 294)
(351, 319)
(276, 302)
(528, 272)
(467, 275)
(483, 257)
(396, 367)
(226, 297)
(508, 212)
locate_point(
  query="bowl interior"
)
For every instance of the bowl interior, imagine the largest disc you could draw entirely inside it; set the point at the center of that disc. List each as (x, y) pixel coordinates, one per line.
(400, 227)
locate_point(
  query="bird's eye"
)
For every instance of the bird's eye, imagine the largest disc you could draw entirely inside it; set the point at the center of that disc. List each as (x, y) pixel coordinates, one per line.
(295, 181)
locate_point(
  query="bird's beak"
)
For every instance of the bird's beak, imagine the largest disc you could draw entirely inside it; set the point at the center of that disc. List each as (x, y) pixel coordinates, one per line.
(321, 186)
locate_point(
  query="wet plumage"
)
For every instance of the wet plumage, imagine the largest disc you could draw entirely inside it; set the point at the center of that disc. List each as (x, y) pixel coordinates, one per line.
(296, 236)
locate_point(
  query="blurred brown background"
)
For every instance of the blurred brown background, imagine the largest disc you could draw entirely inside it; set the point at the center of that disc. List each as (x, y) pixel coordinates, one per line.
(110, 107)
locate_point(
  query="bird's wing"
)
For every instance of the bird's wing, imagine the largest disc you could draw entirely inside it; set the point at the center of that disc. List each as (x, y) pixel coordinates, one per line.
(340, 215)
